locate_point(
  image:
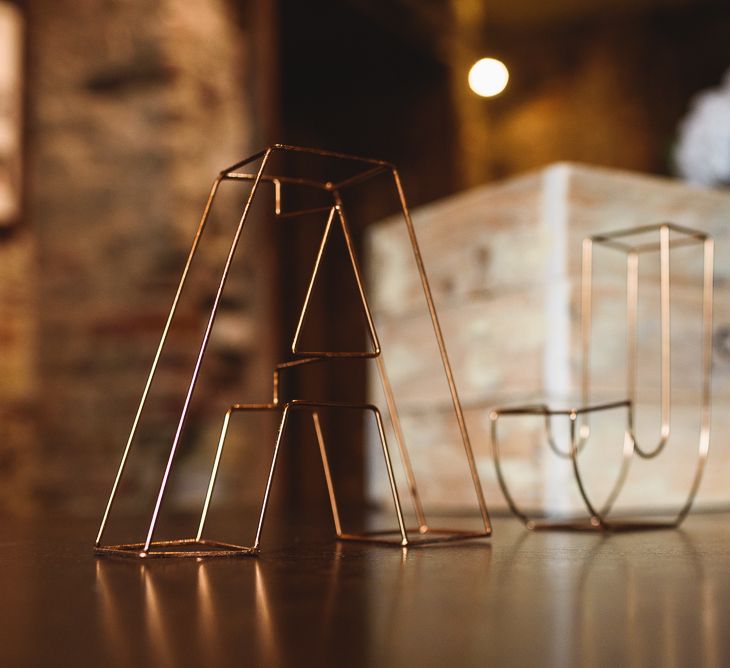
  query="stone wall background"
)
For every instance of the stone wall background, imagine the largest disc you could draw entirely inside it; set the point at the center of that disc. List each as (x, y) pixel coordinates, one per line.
(504, 262)
(133, 108)
(19, 457)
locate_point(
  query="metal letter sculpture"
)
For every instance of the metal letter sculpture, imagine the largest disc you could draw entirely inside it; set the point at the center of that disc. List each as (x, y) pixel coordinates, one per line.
(670, 236)
(335, 213)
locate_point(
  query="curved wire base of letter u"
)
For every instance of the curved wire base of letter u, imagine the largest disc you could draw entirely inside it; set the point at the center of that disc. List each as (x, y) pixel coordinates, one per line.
(598, 514)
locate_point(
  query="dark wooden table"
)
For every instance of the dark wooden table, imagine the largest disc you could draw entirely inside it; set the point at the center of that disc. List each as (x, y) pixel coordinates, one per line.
(519, 599)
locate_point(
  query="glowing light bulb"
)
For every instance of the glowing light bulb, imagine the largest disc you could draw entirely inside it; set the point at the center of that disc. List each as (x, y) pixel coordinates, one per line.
(488, 77)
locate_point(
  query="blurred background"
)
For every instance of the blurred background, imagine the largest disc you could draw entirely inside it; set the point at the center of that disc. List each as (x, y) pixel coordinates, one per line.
(116, 116)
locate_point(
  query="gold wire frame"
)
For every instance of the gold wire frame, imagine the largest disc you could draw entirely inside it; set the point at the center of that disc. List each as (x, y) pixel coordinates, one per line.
(670, 236)
(402, 536)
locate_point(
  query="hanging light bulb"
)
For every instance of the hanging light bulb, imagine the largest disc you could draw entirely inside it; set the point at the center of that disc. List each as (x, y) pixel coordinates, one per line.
(488, 77)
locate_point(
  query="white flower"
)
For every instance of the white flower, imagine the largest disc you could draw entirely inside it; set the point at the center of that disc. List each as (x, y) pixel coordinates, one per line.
(702, 154)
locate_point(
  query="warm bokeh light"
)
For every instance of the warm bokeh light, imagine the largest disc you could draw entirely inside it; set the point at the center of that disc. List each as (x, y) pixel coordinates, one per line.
(488, 77)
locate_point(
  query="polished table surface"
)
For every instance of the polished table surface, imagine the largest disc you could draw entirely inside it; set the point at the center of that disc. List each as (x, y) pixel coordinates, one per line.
(657, 598)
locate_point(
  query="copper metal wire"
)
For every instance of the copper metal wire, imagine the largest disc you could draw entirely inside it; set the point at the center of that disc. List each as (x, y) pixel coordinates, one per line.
(402, 535)
(670, 236)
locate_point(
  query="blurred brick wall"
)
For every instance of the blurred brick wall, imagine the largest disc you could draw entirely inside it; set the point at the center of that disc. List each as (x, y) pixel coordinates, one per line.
(18, 373)
(134, 106)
